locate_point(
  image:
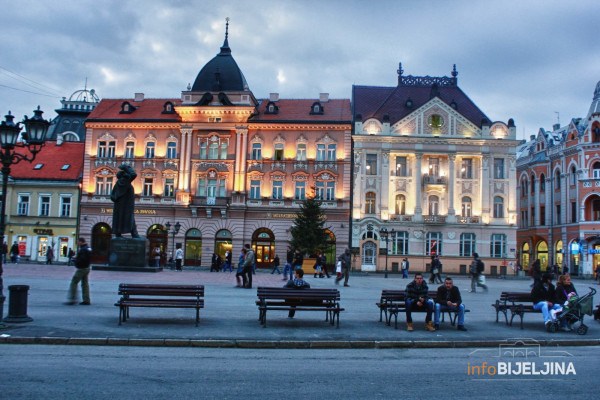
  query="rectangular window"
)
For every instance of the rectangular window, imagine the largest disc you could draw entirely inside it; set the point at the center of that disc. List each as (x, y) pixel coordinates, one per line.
(371, 166)
(44, 206)
(331, 152)
(150, 150)
(466, 170)
(301, 152)
(278, 190)
(300, 192)
(222, 187)
(401, 167)
(278, 156)
(434, 166)
(110, 150)
(65, 206)
(23, 205)
(434, 243)
(171, 150)
(558, 219)
(543, 215)
(201, 187)
(467, 244)
(321, 155)
(147, 190)
(498, 246)
(498, 168)
(203, 150)
(169, 187)
(213, 151)
(573, 211)
(256, 151)
(330, 191)
(320, 190)
(255, 189)
(400, 243)
(224, 145)
(532, 216)
(211, 190)
(102, 149)
(104, 185)
(129, 150)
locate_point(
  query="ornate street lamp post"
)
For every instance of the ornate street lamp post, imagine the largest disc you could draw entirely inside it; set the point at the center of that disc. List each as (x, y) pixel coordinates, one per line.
(174, 232)
(11, 139)
(385, 235)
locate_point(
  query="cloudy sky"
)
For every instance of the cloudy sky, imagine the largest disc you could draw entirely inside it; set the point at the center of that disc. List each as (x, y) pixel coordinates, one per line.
(526, 59)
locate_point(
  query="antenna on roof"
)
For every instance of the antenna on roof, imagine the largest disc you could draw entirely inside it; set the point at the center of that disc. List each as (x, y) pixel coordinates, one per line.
(557, 117)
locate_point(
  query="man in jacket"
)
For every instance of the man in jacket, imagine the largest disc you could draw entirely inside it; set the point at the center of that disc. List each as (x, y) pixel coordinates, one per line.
(405, 265)
(82, 271)
(249, 261)
(543, 296)
(297, 283)
(476, 269)
(418, 299)
(289, 259)
(346, 260)
(448, 298)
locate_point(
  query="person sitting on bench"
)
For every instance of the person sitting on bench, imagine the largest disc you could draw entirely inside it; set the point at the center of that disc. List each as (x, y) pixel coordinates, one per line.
(448, 298)
(543, 296)
(297, 283)
(418, 299)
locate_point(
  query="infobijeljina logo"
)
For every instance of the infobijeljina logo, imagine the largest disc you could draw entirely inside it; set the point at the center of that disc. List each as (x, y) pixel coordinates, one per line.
(520, 359)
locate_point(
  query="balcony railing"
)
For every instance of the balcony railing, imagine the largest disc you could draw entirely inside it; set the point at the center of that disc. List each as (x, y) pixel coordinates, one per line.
(434, 180)
(434, 219)
(467, 220)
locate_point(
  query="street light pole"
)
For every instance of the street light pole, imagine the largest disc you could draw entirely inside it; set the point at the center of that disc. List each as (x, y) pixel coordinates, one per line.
(173, 232)
(33, 140)
(384, 234)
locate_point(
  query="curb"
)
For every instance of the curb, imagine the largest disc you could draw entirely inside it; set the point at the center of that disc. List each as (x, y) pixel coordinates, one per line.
(284, 344)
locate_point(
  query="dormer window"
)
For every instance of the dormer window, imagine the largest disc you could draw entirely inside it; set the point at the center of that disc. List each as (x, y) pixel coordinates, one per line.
(316, 108)
(168, 108)
(127, 108)
(272, 108)
(38, 166)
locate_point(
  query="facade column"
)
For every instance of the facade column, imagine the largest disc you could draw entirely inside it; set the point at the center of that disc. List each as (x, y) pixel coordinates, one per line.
(385, 188)
(185, 132)
(419, 187)
(536, 202)
(451, 183)
(512, 205)
(484, 179)
(243, 135)
(188, 161)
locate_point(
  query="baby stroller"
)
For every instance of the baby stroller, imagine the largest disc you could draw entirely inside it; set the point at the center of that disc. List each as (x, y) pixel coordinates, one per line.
(575, 312)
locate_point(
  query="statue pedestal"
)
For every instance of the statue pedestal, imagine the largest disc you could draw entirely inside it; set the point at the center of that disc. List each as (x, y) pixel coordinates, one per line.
(128, 254)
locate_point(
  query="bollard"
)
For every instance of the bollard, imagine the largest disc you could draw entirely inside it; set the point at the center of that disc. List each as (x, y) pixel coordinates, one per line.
(17, 304)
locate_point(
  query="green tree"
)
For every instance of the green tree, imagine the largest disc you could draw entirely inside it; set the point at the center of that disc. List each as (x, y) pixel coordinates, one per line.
(309, 230)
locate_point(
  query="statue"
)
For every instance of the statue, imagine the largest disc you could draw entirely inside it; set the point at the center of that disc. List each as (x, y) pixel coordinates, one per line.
(123, 197)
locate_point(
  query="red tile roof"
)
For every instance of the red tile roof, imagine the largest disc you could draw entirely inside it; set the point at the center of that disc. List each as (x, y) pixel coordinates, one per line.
(298, 110)
(147, 109)
(53, 158)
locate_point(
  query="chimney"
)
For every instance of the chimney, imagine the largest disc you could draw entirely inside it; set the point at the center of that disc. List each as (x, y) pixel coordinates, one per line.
(323, 97)
(274, 96)
(555, 127)
(532, 137)
(139, 97)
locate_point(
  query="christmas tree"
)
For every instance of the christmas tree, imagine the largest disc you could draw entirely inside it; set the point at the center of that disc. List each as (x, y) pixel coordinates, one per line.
(309, 230)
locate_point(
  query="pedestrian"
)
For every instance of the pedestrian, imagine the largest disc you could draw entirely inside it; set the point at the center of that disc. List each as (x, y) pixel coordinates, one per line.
(536, 272)
(289, 257)
(598, 273)
(215, 264)
(318, 266)
(156, 254)
(49, 255)
(14, 252)
(436, 269)
(227, 264)
(298, 259)
(4, 252)
(346, 260)
(70, 256)
(476, 271)
(249, 262)
(82, 272)
(240, 268)
(324, 265)
(404, 265)
(178, 257)
(276, 265)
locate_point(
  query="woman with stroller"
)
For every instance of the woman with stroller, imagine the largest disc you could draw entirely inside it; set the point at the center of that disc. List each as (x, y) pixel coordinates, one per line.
(564, 291)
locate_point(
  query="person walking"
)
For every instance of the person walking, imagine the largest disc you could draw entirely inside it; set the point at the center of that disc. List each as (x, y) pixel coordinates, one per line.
(536, 272)
(276, 265)
(240, 268)
(324, 265)
(476, 270)
(215, 264)
(156, 254)
(404, 265)
(14, 253)
(436, 269)
(178, 257)
(298, 259)
(227, 264)
(249, 262)
(346, 260)
(82, 272)
(70, 256)
(289, 257)
(49, 255)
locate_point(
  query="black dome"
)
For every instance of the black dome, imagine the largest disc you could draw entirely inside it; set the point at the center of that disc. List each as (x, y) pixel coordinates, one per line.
(220, 74)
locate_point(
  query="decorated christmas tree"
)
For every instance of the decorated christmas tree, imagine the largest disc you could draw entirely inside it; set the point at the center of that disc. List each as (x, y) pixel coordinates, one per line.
(309, 230)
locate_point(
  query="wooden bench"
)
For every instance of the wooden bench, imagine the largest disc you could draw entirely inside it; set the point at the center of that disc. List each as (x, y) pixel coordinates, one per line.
(503, 304)
(393, 302)
(288, 299)
(159, 296)
(518, 303)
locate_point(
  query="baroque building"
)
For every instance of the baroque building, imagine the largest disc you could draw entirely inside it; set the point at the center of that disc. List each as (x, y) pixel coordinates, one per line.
(69, 124)
(558, 176)
(225, 167)
(432, 171)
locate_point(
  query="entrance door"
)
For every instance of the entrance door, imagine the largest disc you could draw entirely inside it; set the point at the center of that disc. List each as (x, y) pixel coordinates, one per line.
(157, 236)
(369, 256)
(193, 248)
(101, 234)
(263, 244)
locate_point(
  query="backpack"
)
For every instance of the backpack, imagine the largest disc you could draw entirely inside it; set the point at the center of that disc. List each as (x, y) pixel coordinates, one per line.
(480, 266)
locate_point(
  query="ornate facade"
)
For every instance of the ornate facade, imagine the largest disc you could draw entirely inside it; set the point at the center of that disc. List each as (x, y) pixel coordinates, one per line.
(432, 168)
(559, 202)
(229, 168)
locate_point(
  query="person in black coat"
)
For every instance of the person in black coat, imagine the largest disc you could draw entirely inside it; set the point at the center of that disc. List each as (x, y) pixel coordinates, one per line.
(448, 298)
(543, 296)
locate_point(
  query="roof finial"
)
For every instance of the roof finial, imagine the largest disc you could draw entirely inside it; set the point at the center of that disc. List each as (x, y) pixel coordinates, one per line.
(454, 71)
(225, 50)
(226, 28)
(400, 70)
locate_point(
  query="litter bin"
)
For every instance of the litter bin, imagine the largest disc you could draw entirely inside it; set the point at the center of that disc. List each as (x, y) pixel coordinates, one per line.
(17, 304)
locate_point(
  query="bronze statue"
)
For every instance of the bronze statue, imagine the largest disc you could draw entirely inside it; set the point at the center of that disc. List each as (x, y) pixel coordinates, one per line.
(123, 196)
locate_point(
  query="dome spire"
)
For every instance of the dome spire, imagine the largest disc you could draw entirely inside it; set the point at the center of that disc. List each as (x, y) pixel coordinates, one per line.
(225, 48)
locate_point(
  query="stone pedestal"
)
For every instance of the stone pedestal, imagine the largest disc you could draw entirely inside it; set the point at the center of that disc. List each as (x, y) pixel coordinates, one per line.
(128, 254)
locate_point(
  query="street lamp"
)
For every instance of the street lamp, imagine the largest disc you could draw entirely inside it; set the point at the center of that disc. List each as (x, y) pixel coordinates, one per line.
(174, 232)
(386, 235)
(32, 139)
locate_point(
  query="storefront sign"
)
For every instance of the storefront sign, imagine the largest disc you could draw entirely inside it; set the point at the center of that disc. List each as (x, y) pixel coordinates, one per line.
(574, 248)
(593, 251)
(136, 211)
(40, 231)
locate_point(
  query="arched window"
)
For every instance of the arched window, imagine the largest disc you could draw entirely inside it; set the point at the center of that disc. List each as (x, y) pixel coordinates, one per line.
(524, 187)
(573, 176)
(542, 254)
(532, 184)
(596, 170)
(498, 207)
(370, 198)
(557, 180)
(525, 256)
(434, 205)
(400, 204)
(466, 206)
(542, 183)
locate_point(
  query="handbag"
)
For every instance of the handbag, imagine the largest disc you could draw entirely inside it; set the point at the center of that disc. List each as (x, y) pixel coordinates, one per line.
(338, 268)
(481, 279)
